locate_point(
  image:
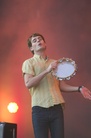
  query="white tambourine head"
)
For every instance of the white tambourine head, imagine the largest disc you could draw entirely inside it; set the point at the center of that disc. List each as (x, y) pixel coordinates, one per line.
(65, 70)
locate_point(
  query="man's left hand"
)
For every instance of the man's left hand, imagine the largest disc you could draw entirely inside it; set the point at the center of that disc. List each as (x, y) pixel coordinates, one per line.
(86, 93)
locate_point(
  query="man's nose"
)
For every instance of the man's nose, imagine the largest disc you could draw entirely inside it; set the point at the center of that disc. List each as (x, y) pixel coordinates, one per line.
(38, 40)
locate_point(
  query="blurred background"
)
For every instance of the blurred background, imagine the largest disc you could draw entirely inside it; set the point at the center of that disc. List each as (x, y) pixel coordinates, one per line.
(66, 26)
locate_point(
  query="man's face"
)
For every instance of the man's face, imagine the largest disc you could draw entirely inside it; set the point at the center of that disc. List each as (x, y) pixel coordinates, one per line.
(38, 44)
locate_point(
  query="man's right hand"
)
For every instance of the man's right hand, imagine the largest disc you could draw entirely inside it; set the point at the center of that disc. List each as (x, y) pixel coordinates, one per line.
(52, 66)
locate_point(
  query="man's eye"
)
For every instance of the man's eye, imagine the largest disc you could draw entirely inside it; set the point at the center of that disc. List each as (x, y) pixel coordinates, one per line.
(34, 40)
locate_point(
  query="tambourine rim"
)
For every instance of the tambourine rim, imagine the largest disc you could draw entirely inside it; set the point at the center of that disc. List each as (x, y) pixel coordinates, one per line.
(70, 76)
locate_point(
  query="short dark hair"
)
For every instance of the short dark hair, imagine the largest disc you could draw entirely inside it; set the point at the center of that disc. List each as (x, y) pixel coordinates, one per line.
(33, 35)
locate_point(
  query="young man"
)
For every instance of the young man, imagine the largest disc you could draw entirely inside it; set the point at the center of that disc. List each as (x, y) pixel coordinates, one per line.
(45, 90)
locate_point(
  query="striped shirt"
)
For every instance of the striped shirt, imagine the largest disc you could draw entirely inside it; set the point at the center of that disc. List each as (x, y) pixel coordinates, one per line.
(47, 93)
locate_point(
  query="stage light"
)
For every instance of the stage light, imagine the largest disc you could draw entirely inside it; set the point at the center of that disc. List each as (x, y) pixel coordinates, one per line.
(12, 107)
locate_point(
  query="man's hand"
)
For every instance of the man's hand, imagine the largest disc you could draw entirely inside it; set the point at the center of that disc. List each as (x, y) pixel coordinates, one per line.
(86, 93)
(52, 66)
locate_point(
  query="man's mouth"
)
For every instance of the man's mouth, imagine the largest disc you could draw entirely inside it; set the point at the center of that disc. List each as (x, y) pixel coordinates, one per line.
(39, 44)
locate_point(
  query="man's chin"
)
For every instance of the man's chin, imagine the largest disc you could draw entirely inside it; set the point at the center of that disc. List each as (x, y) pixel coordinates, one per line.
(41, 49)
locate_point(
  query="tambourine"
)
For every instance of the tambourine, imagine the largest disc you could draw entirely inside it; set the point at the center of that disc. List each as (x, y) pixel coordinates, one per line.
(65, 70)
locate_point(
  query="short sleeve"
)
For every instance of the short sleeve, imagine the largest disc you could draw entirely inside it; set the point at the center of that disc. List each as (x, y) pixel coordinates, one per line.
(27, 67)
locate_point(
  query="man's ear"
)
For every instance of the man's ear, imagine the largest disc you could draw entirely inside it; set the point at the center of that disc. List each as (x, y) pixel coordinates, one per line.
(31, 48)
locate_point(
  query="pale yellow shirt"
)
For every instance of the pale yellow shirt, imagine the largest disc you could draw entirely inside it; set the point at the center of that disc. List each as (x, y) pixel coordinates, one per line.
(47, 93)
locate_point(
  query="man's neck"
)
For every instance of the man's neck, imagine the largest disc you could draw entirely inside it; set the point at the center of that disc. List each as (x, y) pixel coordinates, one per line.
(42, 54)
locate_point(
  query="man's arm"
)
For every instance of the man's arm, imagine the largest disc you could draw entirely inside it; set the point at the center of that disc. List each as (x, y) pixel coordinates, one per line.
(31, 81)
(68, 88)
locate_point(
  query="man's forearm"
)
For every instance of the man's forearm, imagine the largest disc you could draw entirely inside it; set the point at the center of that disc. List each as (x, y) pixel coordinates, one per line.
(33, 81)
(68, 88)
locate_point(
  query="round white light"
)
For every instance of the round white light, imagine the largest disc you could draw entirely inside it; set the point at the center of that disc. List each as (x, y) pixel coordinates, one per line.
(12, 107)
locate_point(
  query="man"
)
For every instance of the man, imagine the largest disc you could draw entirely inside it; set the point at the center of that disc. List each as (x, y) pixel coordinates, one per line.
(45, 90)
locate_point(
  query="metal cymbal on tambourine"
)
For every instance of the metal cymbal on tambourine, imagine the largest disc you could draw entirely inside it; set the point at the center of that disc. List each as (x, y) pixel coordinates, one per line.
(65, 70)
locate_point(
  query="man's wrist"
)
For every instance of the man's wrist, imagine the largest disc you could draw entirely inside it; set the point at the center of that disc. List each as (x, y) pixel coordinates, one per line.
(79, 88)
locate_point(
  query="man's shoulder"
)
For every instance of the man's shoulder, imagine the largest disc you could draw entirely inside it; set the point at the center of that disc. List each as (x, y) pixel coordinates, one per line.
(29, 60)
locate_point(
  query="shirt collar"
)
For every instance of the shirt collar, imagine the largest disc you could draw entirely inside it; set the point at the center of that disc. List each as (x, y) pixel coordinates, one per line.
(38, 56)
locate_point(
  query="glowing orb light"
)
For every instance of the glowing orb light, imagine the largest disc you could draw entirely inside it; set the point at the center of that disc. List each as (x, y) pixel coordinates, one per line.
(12, 107)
